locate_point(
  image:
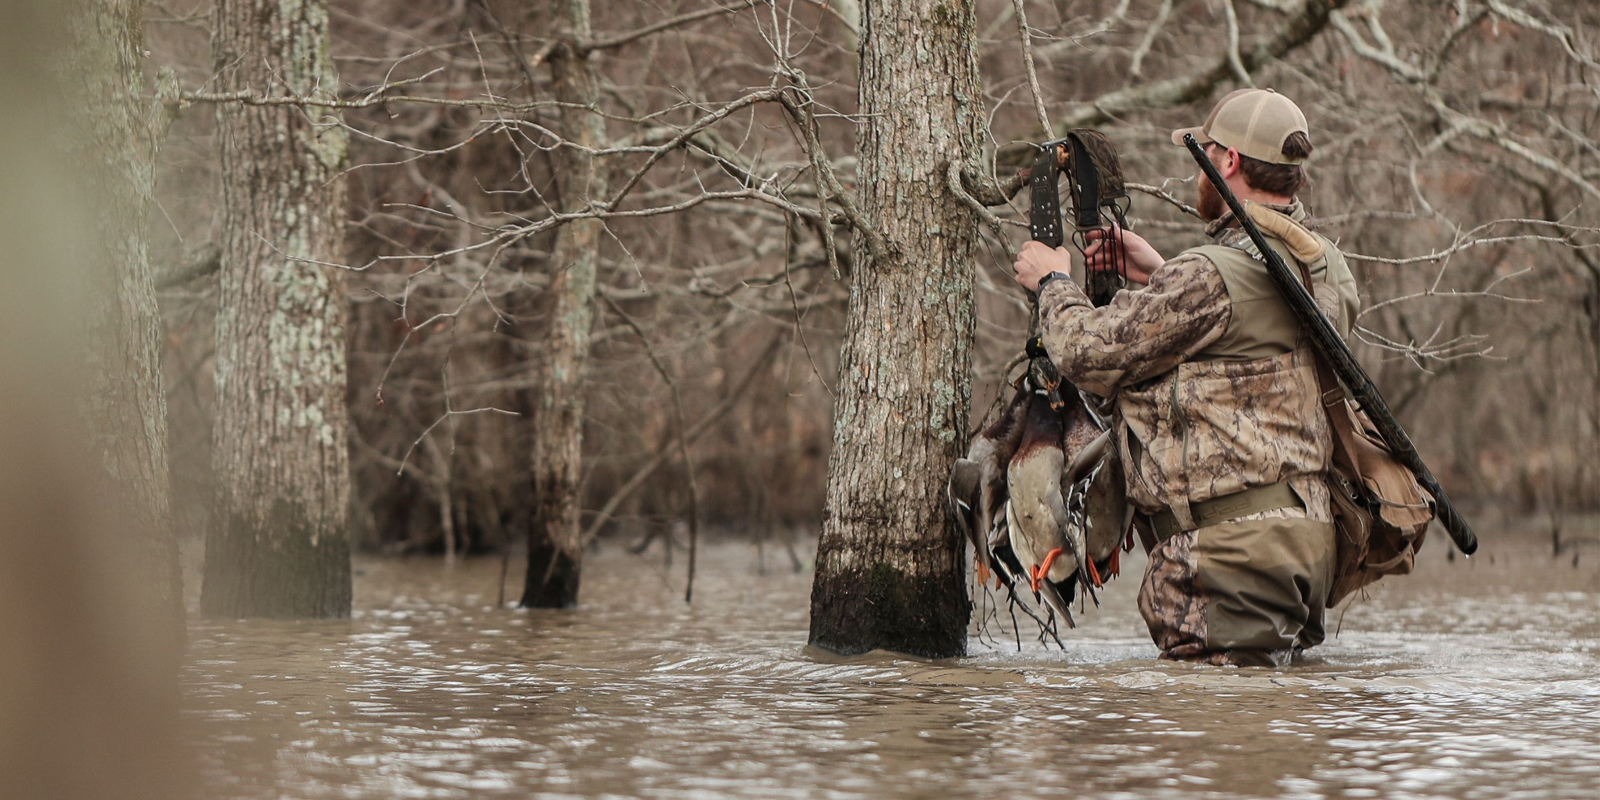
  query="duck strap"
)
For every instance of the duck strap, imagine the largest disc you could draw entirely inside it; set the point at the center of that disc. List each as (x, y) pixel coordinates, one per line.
(1044, 196)
(1098, 199)
(1096, 192)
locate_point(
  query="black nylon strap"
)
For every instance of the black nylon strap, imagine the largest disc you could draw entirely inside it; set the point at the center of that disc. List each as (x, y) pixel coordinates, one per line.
(1044, 198)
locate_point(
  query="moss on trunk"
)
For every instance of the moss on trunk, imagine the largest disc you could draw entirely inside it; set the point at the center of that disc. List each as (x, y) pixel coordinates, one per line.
(881, 607)
(284, 567)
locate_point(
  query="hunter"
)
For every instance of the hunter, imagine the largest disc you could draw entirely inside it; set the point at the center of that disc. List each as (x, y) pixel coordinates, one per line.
(1216, 413)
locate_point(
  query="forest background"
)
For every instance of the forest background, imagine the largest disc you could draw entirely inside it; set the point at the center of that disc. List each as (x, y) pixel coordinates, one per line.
(1456, 161)
(443, 277)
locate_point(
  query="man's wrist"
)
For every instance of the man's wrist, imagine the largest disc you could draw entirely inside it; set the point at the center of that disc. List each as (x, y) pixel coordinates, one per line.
(1052, 276)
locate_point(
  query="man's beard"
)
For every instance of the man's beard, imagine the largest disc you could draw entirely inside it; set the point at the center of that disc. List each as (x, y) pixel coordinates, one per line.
(1211, 207)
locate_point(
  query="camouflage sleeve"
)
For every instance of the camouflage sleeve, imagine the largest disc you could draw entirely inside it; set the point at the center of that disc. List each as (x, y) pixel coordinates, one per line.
(1141, 334)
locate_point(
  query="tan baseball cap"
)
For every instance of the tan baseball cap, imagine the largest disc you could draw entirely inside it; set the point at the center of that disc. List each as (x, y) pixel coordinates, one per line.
(1256, 122)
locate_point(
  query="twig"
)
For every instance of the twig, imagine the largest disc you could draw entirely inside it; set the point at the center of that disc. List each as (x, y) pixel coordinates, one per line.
(694, 431)
(683, 444)
(1296, 31)
(794, 301)
(617, 40)
(1136, 64)
(448, 414)
(1234, 62)
(1155, 191)
(1027, 61)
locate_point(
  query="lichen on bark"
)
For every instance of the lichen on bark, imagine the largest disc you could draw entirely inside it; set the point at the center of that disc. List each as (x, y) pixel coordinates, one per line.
(277, 544)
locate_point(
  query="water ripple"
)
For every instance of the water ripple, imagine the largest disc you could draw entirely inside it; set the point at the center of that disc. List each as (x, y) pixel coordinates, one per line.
(426, 692)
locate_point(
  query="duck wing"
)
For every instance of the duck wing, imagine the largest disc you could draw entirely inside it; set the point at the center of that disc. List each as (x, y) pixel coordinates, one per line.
(977, 489)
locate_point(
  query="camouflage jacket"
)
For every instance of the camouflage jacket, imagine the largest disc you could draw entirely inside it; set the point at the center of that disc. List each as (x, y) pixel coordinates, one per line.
(1198, 416)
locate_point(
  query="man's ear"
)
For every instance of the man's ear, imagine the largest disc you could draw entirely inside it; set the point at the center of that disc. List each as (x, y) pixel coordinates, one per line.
(1230, 164)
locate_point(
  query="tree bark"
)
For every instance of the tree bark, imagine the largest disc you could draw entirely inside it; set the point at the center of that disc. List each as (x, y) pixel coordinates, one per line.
(115, 140)
(555, 548)
(889, 567)
(278, 544)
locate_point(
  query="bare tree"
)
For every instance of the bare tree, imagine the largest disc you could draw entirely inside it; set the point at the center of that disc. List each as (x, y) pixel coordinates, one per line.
(555, 548)
(277, 543)
(889, 567)
(115, 137)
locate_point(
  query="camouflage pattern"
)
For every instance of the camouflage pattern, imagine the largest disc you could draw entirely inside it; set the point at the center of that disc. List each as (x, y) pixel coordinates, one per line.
(1173, 603)
(1197, 416)
(1245, 593)
(1192, 423)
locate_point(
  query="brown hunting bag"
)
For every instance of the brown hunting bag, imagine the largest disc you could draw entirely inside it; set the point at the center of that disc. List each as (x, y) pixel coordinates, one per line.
(1380, 512)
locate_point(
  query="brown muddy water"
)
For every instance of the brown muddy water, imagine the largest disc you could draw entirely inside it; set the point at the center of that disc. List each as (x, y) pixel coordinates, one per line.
(1470, 679)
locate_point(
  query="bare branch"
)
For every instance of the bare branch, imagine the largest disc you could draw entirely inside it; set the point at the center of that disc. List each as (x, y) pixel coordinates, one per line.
(618, 40)
(1027, 62)
(1296, 31)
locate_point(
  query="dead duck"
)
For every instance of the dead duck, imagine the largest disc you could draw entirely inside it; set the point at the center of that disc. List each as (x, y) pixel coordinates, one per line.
(1097, 503)
(977, 488)
(1070, 530)
(1040, 493)
(1036, 512)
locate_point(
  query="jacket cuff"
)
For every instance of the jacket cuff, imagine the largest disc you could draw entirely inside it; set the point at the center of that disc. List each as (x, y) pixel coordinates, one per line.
(1056, 291)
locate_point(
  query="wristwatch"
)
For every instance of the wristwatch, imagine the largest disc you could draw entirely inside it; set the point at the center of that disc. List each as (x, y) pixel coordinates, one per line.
(1052, 276)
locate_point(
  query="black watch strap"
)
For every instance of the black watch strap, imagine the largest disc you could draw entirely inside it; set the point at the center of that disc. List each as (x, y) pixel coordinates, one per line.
(1052, 276)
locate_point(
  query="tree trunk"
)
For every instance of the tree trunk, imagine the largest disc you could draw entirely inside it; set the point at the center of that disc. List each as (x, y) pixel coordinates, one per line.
(889, 566)
(127, 408)
(278, 545)
(555, 547)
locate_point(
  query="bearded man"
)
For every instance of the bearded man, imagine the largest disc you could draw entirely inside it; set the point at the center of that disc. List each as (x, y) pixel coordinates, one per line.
(1216, 416)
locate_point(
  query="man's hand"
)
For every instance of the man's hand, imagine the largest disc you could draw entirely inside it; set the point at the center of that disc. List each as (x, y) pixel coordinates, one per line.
(1037, 260)
(1140, 258)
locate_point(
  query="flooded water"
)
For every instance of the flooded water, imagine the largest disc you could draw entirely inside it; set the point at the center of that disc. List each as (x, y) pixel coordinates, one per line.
(1467, 680)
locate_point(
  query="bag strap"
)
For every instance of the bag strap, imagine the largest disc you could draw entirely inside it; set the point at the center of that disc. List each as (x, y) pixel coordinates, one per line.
(1333, 402)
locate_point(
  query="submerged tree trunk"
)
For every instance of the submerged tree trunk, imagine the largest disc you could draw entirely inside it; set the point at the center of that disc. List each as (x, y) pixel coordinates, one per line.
(555, 548)
(889, 567)
(278, 544)
(115, 143)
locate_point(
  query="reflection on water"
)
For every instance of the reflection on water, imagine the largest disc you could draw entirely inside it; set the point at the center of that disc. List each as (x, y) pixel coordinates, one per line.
(1469, 680)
